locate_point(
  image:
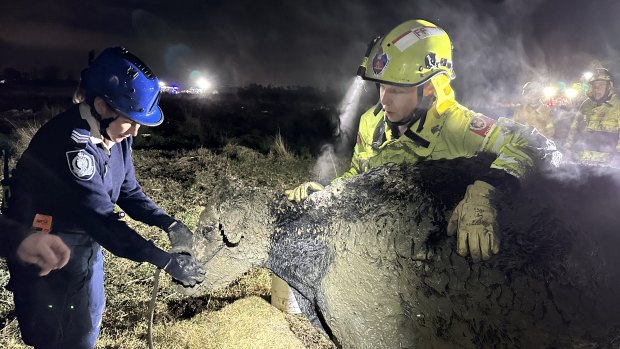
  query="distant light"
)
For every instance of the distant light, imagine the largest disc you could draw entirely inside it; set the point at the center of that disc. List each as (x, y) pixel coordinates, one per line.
(203, 83)
(550, 91)
(587, 75)
(570, 93)
(2, 81)
(172, 89)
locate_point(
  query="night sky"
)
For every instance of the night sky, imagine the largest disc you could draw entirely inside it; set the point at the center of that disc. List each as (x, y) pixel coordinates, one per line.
(499, 45)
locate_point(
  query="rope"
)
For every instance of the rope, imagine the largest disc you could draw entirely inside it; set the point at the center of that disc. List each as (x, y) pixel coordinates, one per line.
(149, 334)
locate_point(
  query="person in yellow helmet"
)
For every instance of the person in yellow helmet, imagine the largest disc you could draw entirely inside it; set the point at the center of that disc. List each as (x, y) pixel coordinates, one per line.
(418, 119)
(532, 111)
(594, 135)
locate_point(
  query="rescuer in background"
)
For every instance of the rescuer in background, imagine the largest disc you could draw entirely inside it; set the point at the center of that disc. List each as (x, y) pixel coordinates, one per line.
(533, 111)
(594, 133)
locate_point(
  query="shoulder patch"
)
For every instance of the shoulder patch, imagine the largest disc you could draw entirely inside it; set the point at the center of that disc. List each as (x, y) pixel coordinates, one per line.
(80, 136)
(481, 124)
(81, 164)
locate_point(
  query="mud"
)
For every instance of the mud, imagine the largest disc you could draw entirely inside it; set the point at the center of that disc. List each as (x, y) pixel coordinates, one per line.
(372, 266)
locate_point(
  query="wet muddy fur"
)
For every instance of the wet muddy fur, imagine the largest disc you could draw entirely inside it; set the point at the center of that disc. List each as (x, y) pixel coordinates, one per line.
(372, 266)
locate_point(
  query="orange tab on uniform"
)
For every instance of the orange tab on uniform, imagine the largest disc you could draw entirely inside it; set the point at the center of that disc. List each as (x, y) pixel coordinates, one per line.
(42, 223)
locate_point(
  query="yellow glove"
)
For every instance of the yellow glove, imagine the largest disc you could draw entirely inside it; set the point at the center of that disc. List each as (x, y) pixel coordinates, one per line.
(475, 219)
(301, 192)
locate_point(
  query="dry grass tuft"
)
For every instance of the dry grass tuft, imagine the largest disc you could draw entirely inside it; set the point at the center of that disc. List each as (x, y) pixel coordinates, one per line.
(23, 136)
(280, 148)
(10, 337)
(306, 333)
(49, 111)
(247, 323)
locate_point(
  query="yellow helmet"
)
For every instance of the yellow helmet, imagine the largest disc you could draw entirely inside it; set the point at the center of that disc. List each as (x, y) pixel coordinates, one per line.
(409, 55)
(601, 74)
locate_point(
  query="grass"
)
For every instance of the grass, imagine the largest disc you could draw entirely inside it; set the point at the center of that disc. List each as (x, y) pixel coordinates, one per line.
(257, 325)
(280, 148)
(181, 182)
(24, 134)
(48, 111)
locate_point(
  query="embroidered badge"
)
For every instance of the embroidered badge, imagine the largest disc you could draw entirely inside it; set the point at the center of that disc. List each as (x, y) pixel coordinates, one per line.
(481, 125)
(379, 63)
(81, 164)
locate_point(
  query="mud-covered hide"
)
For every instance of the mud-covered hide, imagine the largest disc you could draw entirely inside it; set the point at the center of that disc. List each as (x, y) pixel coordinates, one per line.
(371, 263)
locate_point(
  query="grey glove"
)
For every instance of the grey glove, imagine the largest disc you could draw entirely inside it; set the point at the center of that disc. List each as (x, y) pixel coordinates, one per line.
(181, 238)
(184, 270)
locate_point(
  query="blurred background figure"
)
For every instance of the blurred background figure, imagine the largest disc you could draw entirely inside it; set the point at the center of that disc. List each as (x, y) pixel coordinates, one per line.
(565, 111)
(594, 133)
(532, 111)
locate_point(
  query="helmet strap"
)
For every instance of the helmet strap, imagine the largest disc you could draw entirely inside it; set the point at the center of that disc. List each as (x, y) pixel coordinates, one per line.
(103, 123)
(103, 128)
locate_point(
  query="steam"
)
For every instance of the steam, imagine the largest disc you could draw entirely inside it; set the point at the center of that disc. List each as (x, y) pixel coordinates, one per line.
(498, 47)
(326, 167)
(498, 44)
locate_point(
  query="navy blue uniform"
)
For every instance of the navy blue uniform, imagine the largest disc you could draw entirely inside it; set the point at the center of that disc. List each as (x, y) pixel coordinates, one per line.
(69, 174)
(11, 235)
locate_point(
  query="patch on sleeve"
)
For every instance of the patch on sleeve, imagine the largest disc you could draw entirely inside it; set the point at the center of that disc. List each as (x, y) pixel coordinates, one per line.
(81, 164)
(80, 136)
(481, 124)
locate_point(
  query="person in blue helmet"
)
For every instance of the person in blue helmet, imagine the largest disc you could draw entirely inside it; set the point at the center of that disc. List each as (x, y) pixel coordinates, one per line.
(74, 171)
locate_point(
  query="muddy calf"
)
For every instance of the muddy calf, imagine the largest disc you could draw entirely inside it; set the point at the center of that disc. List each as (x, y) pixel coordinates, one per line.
(371, 265)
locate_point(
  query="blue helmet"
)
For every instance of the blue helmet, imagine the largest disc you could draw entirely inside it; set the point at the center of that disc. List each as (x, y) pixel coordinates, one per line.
(126, 84)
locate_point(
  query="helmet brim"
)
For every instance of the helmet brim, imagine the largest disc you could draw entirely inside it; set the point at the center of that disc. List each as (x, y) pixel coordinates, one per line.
(401, 84)
(154, 118)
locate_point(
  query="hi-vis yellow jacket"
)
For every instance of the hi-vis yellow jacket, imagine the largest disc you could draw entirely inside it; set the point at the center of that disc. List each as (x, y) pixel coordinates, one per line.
(595, 133)
(457, 132)
(538, 116)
